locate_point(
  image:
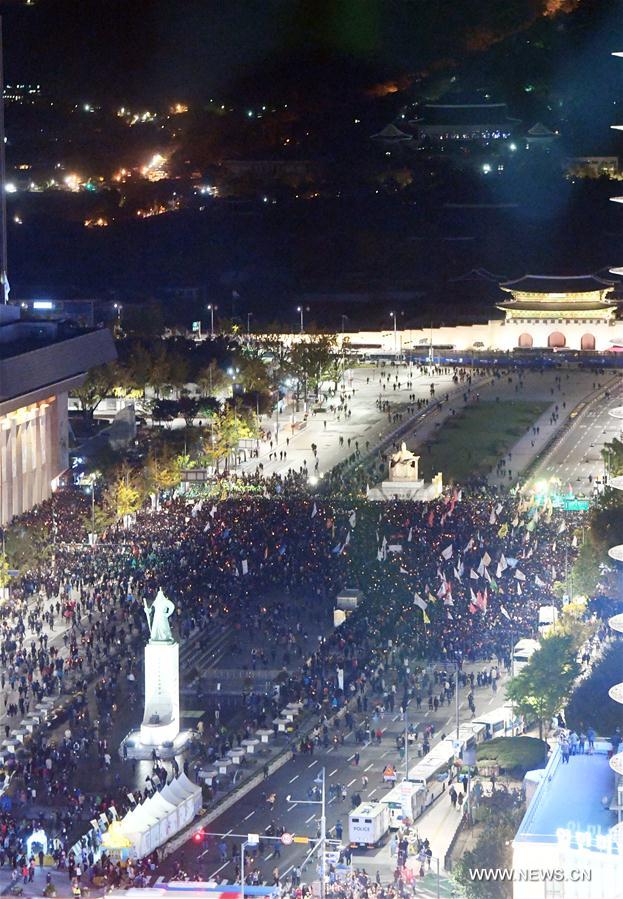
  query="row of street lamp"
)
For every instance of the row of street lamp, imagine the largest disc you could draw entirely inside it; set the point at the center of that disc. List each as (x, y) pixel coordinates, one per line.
(212, 308)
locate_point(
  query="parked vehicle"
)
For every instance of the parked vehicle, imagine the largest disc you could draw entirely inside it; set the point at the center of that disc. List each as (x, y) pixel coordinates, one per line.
(368, 824)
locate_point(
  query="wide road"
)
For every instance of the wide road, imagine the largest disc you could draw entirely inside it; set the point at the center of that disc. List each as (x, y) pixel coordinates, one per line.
(576, 457)
(252, 815)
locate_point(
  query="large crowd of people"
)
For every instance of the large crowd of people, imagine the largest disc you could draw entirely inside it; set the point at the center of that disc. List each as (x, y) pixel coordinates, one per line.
(459, 578)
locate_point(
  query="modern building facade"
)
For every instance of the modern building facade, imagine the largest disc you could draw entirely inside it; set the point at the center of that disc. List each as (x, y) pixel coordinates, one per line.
(40, 362)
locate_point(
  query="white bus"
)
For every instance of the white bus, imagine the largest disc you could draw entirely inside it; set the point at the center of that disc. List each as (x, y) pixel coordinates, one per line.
(405, 801)
(432, 770)
(548, 616)
(522, 653)
(501, 722)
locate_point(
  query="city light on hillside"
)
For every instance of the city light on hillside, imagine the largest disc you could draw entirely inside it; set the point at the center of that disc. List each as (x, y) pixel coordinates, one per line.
(155, 169)
(72, 182)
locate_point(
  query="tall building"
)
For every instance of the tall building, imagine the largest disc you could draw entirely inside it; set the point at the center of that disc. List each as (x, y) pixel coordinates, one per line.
(40, 362)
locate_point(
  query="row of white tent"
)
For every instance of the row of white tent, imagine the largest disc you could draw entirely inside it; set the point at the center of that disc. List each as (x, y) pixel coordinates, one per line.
(157, 819)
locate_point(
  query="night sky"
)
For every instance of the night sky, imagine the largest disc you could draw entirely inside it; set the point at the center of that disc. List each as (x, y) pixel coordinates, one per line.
(150, 50)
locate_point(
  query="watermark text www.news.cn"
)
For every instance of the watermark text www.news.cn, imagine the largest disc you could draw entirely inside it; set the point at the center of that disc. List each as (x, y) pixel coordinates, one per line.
(530, 875)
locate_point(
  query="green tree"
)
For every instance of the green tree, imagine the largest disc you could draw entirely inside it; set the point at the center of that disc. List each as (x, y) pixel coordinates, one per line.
(26, 548)
(254, 374)
(178, 369)
(590, 705)
(541, 688)
(5, 578)
(97, 385)
(188, 408)
(312, 360)
(159, 372)
(586, 573)
(125, 495)
(165, 410)
(212, 380)
(227, 428)
(612, 454)
(161, 472)
(99, 520)
(136, 364)
(493, 849)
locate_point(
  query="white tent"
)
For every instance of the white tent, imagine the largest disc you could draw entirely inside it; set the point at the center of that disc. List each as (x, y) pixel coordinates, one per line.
(143, 829)
(164, 814)
(167, 813)
(183, 798)
(193, 789)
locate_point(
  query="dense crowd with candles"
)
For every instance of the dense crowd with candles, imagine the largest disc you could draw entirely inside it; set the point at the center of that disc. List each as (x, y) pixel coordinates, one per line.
(444, 581)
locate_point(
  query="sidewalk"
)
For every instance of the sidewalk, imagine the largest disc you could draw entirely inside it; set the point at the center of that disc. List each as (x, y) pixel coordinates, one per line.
(366, 423)
(60, 879)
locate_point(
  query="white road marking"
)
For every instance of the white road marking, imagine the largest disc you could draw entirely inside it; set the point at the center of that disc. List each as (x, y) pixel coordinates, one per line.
(313, 763)
(294, 805)
(371, 765)
(331, 773)
(350, 757)
(296, 777)
(214, 873)
(250, 815)
(270, 855)
(352, 782)
(311, 818)
(370, 795)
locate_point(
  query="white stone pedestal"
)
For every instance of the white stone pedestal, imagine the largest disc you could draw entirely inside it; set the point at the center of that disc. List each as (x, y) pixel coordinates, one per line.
(160, 729)
(406, 490)
(161, 721)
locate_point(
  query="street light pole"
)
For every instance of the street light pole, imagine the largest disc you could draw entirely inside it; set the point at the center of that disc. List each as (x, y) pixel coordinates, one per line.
(299, 309)
(393, 315)
(406, 743)
(249, 314)
(323, 841)
(242, 848)
(4, 281)
(211, 308)
(456, 696)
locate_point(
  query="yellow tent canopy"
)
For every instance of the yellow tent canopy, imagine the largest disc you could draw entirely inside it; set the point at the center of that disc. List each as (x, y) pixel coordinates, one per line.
(115, 838)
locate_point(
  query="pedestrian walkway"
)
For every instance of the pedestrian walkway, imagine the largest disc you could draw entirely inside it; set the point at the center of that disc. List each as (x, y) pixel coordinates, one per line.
(59, 879)
(366, 422)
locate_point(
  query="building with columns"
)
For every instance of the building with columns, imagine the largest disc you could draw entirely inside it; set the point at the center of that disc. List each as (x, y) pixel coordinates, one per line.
(40, 362)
